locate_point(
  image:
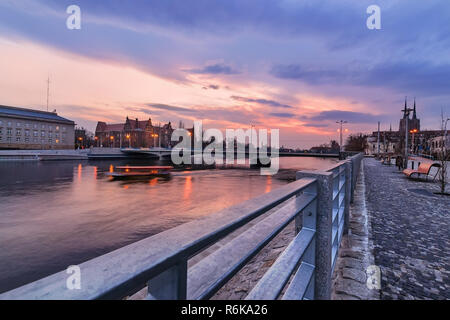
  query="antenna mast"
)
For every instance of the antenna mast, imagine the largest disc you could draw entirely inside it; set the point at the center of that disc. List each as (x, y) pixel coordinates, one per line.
(48, 90)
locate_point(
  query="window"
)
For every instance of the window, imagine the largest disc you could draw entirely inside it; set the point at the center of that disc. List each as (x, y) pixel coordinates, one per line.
(1, 122)
(43, 126)
(42, 133)
(63, 128)
(50, 140)
(9, 132)
(27, 125)
(57, 128)
(18, 124)
(9, 124)
(27, 133)
(27, 140)
(17, 139)
(35, 133)
(18, 132)
(50, 134)
(35, 126)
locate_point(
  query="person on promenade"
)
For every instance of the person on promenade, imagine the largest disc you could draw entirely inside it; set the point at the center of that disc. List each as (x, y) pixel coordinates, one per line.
(399, 163)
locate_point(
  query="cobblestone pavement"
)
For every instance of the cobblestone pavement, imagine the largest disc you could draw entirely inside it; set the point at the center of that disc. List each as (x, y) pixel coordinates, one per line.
(410, 234)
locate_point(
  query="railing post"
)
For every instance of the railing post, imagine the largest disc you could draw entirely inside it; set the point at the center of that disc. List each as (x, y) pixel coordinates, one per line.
(348, 192)
(170, 284)
(323, 271)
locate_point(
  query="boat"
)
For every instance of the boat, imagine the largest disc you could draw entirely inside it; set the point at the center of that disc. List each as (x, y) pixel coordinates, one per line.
(123, 172)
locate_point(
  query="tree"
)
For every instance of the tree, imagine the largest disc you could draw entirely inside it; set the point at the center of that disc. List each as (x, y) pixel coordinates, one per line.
(335, 145)
(356, 142)
(444, 155)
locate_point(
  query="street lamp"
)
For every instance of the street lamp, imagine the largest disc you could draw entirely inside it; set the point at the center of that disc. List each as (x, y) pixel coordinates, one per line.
(129, 140)
(413, 144)
(112, 141)
(341, 122)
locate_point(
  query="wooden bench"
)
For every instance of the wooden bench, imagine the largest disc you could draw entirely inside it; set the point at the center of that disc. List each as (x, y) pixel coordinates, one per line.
(424, 169)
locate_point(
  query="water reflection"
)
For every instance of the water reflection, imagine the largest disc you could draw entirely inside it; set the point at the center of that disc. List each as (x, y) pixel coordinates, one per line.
(54, 214)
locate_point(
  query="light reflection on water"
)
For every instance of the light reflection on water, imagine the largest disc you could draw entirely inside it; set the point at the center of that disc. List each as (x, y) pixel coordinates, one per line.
(54, 214)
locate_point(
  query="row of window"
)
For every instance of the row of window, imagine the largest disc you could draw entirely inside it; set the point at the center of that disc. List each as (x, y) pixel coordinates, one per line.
(34, 125)
(29, 140)
(9, 132)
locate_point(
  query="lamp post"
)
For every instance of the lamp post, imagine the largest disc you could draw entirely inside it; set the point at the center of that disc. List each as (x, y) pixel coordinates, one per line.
(413, 141)
(112, 141)
(129, 140)
(406, 112)
(341, 122)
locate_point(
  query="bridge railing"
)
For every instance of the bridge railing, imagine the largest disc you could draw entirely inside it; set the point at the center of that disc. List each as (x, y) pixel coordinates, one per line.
(317, 202)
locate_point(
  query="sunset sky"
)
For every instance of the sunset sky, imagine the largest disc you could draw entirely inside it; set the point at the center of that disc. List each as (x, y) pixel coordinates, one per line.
(294, 65)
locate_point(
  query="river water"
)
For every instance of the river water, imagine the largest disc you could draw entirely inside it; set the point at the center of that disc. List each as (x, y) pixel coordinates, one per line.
(55, 214)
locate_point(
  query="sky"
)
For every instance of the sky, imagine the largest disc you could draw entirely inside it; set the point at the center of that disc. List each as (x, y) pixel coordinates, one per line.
(297, 66)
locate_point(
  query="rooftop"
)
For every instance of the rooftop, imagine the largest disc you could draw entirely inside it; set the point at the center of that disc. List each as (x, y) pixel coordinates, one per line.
(30, 113)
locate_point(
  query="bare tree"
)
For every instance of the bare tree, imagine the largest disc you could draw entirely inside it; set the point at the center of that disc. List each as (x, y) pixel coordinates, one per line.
(356, 142)
(443, 155)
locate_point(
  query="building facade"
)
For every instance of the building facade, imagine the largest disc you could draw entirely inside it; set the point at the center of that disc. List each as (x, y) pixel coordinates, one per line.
(22, 128)
(133, 134)
(393, 142)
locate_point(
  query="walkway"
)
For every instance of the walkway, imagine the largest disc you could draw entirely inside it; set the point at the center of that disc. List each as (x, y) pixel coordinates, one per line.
(410, 234)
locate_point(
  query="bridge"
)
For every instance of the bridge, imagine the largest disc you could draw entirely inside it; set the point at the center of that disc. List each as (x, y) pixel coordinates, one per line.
(165, 153)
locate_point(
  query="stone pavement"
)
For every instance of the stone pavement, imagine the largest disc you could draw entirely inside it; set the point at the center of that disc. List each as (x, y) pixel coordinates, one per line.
(410, 232)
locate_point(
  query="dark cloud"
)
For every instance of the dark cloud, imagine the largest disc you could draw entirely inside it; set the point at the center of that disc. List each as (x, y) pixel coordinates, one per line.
(217, 68)
(350, 116)
(270, 103)
(282, 114)
(167, 107)
(419, 77)
(316, 125)
(212, 86)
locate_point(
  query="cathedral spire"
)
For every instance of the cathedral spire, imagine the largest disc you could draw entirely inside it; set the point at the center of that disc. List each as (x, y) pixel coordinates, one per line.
(405, 109)
(414, 112)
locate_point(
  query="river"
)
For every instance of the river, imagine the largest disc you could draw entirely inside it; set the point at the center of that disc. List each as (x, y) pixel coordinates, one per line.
(55, 214)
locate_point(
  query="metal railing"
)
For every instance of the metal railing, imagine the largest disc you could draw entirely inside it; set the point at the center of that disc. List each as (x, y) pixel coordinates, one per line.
(318, 202)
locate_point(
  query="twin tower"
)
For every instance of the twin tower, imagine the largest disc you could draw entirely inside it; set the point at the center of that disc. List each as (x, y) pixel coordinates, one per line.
(413, 122)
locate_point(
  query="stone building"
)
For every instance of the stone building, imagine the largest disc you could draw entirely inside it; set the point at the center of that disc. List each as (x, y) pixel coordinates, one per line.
(133, 134)
(419, 142)
(22, 128)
